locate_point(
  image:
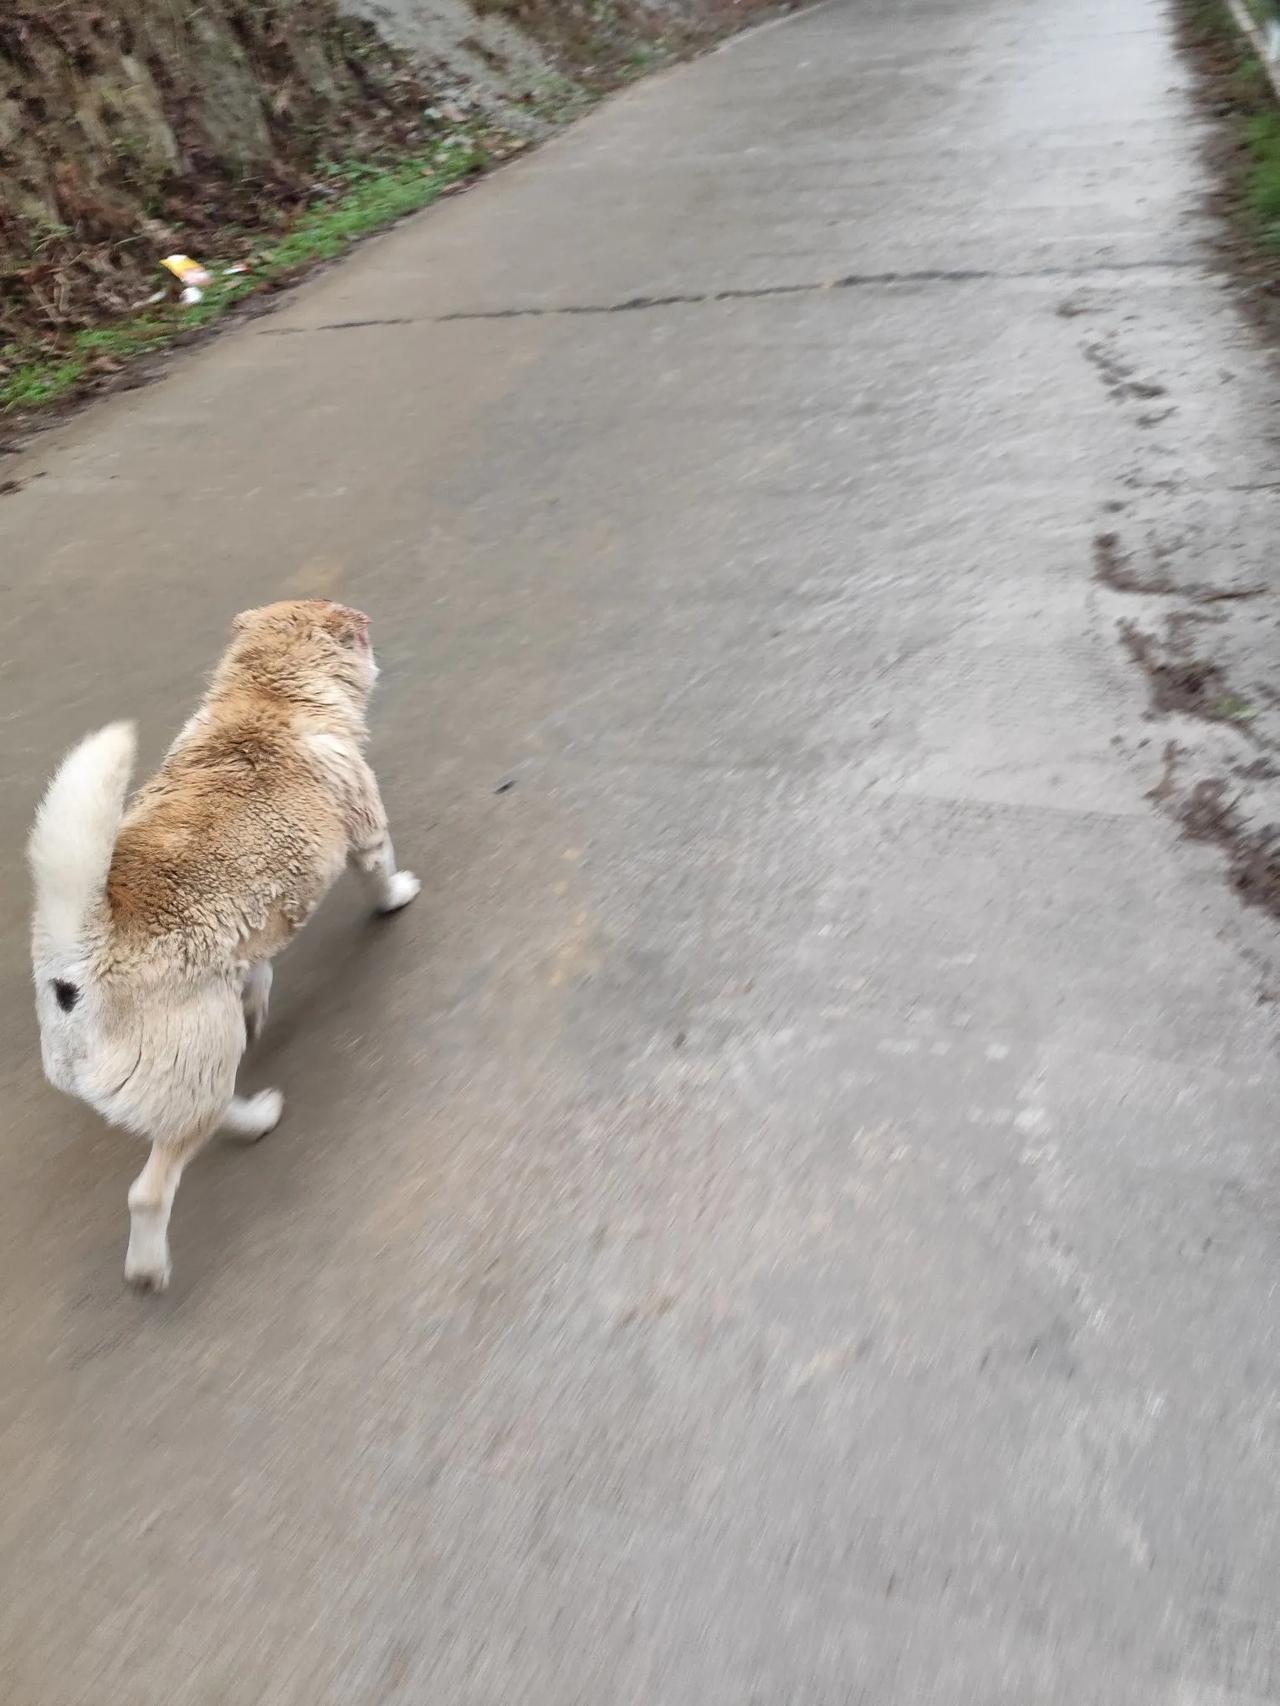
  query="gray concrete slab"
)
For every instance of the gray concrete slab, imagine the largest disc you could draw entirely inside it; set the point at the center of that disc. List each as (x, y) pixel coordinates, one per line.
(790, 1215)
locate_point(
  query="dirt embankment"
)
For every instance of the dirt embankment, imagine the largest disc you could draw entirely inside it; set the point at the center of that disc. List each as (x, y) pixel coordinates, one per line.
(132, 127)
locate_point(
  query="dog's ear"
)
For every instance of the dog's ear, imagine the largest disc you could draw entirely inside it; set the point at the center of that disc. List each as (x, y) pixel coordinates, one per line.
(243, 620)
(348, 625)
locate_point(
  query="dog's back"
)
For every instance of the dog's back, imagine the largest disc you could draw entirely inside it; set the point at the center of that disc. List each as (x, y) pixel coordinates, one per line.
(229, 847)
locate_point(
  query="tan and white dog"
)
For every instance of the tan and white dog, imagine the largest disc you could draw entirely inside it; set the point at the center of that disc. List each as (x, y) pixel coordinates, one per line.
(155, 926)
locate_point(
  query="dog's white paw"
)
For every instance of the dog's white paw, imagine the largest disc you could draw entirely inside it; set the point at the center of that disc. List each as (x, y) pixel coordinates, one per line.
(147, 1268)
(252, 1117)
(401, 889)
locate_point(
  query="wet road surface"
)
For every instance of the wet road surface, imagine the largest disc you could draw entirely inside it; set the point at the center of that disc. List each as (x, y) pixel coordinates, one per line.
(789, 1215)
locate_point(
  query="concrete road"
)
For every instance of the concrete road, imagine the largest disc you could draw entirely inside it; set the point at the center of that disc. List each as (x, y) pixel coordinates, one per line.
(789, 1216)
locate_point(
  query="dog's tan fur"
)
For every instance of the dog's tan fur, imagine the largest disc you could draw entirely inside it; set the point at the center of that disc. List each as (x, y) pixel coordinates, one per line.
(163, 921)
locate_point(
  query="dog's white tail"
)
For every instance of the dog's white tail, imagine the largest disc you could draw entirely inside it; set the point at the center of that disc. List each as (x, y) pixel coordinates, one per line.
(71, 841)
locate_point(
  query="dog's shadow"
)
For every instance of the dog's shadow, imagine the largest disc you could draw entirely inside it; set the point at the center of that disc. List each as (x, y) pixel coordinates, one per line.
(344, 966)
(332, 991)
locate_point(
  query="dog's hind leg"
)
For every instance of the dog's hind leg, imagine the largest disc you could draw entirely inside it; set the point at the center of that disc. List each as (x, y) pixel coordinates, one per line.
(181, 1091)
(256, 997)
(146, 1264)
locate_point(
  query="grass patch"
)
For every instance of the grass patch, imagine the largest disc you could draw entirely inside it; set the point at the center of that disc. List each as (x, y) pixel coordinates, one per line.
(1236, 90)
(1249, 85)
(1208, 19)
(1262, 186)
(365, 198)
(556, 99)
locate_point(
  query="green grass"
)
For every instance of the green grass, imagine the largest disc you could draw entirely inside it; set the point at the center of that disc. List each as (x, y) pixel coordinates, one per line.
(1262, 185)
(1241, 78)
(1209, 18)
(1249, 83)
(645, 57)
(366, 198)
(1234, 709)
(555, 99)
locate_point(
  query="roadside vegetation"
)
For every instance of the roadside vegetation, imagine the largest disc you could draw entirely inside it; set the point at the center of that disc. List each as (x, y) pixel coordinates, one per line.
(1244, 153)
(259, 138)
(353, 199)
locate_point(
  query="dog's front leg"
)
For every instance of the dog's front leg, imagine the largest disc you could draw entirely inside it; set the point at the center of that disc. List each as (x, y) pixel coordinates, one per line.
(369, 847)
(251, 1117)
(387, 888)
(256, 996)
(147, 1265)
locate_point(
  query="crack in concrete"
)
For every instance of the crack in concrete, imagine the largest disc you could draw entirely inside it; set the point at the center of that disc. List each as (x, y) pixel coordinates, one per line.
(697, 299)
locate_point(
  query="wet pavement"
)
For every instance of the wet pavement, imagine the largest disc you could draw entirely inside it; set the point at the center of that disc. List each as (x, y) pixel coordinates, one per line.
(789, 1215)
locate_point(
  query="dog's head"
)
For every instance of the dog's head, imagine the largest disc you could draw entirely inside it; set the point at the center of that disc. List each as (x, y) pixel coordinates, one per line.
(302, 647)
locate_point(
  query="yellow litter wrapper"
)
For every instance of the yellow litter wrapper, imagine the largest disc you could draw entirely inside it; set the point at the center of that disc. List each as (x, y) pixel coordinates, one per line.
(187, 271)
